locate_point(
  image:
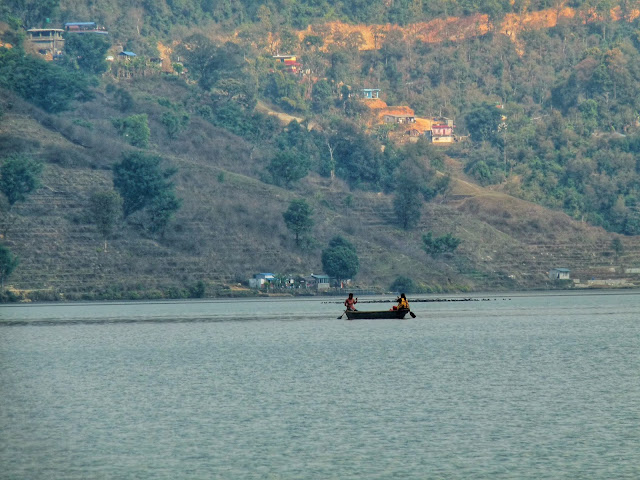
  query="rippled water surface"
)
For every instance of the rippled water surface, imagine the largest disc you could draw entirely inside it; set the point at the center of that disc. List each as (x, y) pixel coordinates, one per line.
(514, 386)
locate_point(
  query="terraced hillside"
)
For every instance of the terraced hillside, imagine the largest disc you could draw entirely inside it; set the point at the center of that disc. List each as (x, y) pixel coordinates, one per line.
(548, 240)
(230, 225)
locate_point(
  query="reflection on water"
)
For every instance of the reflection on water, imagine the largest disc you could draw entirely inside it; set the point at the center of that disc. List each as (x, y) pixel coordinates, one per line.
(519, 386)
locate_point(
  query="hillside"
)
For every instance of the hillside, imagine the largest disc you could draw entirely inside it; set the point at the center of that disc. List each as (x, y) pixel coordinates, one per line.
(542, 172)
(230, 225)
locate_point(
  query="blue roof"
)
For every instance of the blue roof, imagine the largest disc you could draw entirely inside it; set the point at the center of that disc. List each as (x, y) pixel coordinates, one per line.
(128, 54)
(78, 24)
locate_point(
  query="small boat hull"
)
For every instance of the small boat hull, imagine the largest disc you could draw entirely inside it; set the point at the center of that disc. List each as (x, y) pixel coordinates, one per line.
(380, 314)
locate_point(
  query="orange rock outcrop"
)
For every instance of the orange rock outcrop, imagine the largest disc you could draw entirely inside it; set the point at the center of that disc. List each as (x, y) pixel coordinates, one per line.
(370, 37)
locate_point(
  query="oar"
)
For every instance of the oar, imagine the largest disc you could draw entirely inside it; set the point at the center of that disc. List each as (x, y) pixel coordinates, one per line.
(342, 315)
(413, 315)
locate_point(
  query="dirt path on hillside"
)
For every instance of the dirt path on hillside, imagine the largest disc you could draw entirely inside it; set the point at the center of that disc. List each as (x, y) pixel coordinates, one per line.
(285, 118)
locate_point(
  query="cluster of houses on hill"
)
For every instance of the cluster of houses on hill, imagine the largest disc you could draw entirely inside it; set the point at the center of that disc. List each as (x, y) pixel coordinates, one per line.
(49, 42)
(439, 130)
(266, 281)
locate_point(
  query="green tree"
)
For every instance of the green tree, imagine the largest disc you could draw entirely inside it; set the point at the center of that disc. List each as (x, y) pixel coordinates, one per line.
(589, 111)
(289, 41)
(304, 142)
(88, 52)
(340, 259)
(354, 108)
(409, 183)
(45, 84)
(221, 69)
(197, 51)
(407, 206)
(174, 123)
(358, 157)
(241, 90)
(313, 42)
(106, 211)
(482, 122)
(484, 163)
(444, 244)
(124, 100)
(403, 284)
(321, 95)
(8, 262)
(198, 290)
(14, 35)
(19, 176)
(135, 129)
(161, 210)
(339, 241)
(231, 116)
(340, 67)
(286, 91)
(495, 10)
(288, 166)
(141, 181)
(33, 13)
(617, 246)
(298, 218)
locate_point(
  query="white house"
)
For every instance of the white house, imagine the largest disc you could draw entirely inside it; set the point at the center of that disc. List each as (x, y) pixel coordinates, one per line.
(559, 274)
(321, 282)
(442, 133)
(259, 279)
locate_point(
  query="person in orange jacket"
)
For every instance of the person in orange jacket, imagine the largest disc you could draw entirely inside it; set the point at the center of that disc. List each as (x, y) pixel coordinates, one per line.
(403, 303)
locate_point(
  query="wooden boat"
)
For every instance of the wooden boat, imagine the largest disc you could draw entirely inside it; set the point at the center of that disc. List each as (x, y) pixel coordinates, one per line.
(379, 314)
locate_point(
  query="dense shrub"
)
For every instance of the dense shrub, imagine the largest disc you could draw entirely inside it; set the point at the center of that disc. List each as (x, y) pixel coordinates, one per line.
(46, 84)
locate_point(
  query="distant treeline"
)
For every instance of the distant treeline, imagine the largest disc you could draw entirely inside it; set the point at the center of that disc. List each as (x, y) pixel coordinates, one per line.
(151, 17)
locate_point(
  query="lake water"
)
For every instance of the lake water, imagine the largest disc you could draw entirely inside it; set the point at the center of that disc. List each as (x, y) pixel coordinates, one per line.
(543, 386)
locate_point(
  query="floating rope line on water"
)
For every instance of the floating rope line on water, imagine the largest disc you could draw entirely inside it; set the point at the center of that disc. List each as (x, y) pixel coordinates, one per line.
(430, 300)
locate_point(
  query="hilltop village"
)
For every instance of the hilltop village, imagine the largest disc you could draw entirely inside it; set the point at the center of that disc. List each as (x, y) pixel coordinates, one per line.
(401, 121)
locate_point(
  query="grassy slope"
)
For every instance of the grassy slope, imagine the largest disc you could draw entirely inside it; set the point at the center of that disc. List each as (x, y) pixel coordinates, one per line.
(230, 225)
